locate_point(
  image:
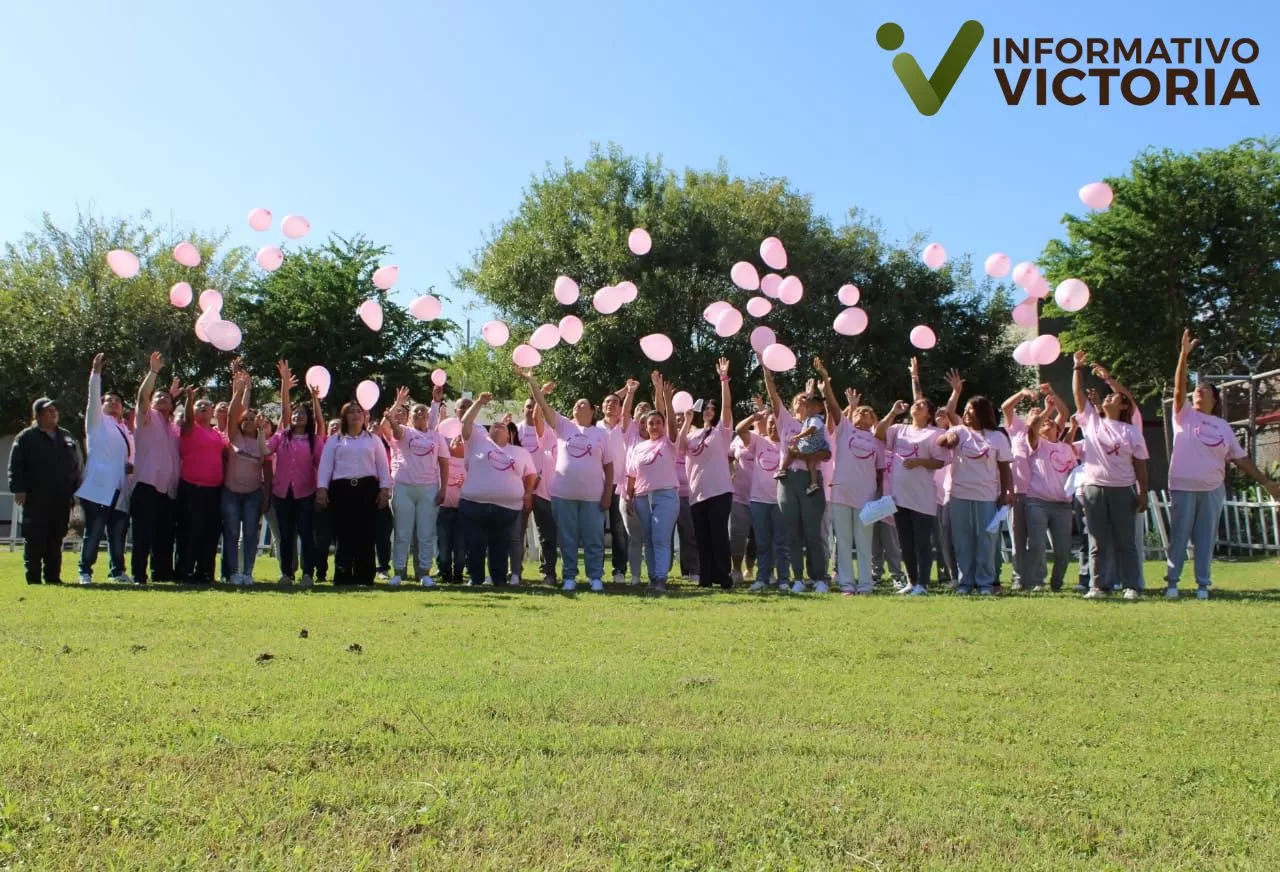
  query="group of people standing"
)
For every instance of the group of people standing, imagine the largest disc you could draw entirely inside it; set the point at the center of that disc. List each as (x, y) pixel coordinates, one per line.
(773, 490)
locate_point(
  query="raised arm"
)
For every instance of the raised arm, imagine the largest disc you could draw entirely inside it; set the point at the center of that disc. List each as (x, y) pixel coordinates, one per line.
(628, 403)
(287, 384)
(917, 392)
(1101, 372)
(93, 413)
(953, 401)
(1059, 407)
(829, 395)
(433, 413)
(1180, 374)
(1077, 380)
(1033, 427)
(394, 426)
(744, 429)
(148, 386)
(683, 439)
(552, 418)
(469, 419)
(882, 428)
(189, 410)
(1010, 407)
(317, 413)
(239, 400)
(726, 396)
(775, 399)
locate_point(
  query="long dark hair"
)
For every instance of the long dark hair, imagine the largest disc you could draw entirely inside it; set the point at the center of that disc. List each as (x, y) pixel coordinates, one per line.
(342, 419)
(986, 412)
(311, 428)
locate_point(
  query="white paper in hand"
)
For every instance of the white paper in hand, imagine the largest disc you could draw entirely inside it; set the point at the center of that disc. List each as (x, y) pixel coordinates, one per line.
(1001, 517)
(877, 510)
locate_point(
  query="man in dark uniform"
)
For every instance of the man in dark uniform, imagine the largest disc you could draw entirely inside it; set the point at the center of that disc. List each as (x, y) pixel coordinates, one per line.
(44, 472)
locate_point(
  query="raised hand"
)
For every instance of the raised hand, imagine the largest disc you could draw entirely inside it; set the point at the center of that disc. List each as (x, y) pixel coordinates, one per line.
(632, 386)
(1046, 389)
(315, 390)
(484, 399)
(954, 380)
(915, 368)
(1188, 344)
(853, 397)
(402, 395)
(175, 387)
(290, 381)
(758, 401)
(809, 386)
(1080, 357)
(548, 388)
(722, 367)
(156, 362)
(1101, 372)
(899, 407)
(282, 367)
(98, 360)
(820, 369)
(437, 393)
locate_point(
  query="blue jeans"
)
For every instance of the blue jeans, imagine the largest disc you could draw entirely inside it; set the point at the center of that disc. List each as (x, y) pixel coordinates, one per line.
(295, 516)
(451, 544)
(580, 523)
(488, 528)
(975, 548)
(99, 519)
(240, 516)
(1195, 520)
(772, 553)
(658, 511)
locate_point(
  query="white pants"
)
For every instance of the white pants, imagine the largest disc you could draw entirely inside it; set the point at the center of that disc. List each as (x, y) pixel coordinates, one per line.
(850, 531)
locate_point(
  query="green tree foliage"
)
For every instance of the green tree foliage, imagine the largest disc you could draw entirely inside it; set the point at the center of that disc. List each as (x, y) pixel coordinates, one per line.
(62, 304)
(481, 368)
(576, 221)
(305, 312)
(1191, 240)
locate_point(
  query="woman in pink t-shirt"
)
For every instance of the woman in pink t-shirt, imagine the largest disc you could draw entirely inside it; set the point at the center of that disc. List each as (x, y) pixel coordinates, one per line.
(652, 487)
(706, 450)
(297, 447)
(1203, 444)
(912, 455)
(419, 466)
(761, 453)
(246, 487)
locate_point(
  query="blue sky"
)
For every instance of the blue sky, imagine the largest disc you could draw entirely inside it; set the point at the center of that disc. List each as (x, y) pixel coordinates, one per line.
(419, 123)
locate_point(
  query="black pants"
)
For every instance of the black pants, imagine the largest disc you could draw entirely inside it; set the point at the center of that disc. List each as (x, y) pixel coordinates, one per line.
(43, 529)
(451, 545)
(322, 533)
(545, 520)
(354, 507)
(153, 527)
(383, 527)
(915, 532)
(488, 529)
(294, 515)
(711, 532)
(200, 509)
(619, 543)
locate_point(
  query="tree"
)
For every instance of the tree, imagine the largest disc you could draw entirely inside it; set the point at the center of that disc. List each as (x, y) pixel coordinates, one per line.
(1191, 240)
(576, 221)
(62, 304)
(305, 312)
(479, 367)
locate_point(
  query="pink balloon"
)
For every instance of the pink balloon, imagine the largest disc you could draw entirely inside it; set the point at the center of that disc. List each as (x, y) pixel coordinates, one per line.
(367, 394)
(123, 263)
(223, 335)
(1039, 288)
(571, 329)
(758, 307)
(729, 322)
(607, 300)
(186, 254)
(180, 295)
(439, 377)
(425, 308)
(769, 285)
(1025, 314)
(545, 337)
(779, 358)
(851, 322)
(270, 258)
(370, 313)
(202, 324)
(997, 265)
(450, 428)
(1096, 195)
(385, 276)
(566, 291)
(1022, 354)
(681, 402)
(1072, 295)
(627, 292)
(260, 219)
(639, 241)
(295, 226)
(319, 376)
(761, 338)
(656, 346)
(713, 312)
(526, 355)
(1045, 350)
(495, 333)
(849, 295)
(744, 275)
(773, 254)
(1025, 273)
(210, 301)
(790, 290)
(934, 255)
(922, 337)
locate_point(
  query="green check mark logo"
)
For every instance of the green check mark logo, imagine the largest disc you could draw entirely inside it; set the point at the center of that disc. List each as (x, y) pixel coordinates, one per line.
(929, 94)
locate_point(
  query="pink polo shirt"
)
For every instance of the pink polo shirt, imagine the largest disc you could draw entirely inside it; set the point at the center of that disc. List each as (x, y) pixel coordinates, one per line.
(415, 457)
(1110, 447)
(296, 463)
(707, 461)
(858, 454)
(581, 455)
(653, 464)
(202, 450)
(495, 475)
(913, 488)
(457, 476)
(975, 471)
(156, 458)
(1202, 445)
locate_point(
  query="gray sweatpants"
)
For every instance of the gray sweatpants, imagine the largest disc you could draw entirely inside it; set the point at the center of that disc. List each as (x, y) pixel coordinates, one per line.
(1113, 553)
(802, 515)
(885, 548)
(1053, 518)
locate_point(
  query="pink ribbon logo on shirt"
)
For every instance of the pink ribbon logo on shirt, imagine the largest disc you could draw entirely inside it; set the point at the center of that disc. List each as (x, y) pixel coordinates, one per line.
(1062, 461)
(1109, 449)
(768, 460)
(649, 458)
(578, 447)
(986, 451)
(698, 444)
(500, 461)
(422, 447)
(853, 445)
(1209, 436)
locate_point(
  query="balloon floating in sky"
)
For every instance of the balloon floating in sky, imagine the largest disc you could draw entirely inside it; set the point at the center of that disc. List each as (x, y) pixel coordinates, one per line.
(270, 258)
(545, 337)
(1045, 349)
(639, 241)
(1022, 354)
(320, 378)
(571, 329)
(180, 295)
(922, 337)
(367, 394)
(681, 402)
(425, 308)
(526, 355)
(758, 307)
(779, 358)
(210, 301)
(223, 335)
(744, 275)
(123, 263)
(385, 276)
(627, 292)
(790, 290)
(260, 219)
(849, 295)
(934, 255)
(729, 322)
(713, 312)
(295, 226)
(186, 254)
(1025, 313)
(851, 322)
(495, 333)
(1097, 195)
(450, 428)
(769, 284)
(1072, 295)
(1038, 288)
(566, 291)
(1025, 274)
(656, 346)
(607, 300)
(761, 338)
(439, 377)
(997, 265)
(370, 313)
(773, 254)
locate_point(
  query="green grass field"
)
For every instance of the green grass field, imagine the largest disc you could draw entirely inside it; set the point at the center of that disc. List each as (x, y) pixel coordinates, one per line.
(498, 729)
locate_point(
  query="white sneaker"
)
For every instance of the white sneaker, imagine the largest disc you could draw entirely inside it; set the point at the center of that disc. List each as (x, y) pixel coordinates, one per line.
(382, 576)
(694, 579)
(619, 578)
(488, 582)
(427, 582)
(86, 578)
(394, 580)
(597, 586)
(736, 576)
(758, 586)
(903, 590)
(1171, 592)
(635, 581)
(1096, 593)
(918, 590)
(515, 580)
(1202, 593)
(1132, 594)
(570, 585)
(1039, 588)
(986, 591)
(821, 587)
(307, 581)
(799, 587)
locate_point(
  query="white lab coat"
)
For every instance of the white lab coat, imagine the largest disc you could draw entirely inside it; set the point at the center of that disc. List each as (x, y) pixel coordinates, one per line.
(109, 446)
